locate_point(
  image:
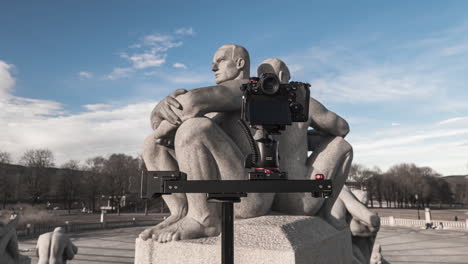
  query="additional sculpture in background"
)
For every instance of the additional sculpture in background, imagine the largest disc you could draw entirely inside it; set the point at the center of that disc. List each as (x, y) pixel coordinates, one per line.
(9, 252)
(55, 247)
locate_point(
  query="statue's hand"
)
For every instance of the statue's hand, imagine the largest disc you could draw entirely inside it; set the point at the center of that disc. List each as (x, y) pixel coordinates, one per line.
(365, 228)
(165, 134)
(163, 110)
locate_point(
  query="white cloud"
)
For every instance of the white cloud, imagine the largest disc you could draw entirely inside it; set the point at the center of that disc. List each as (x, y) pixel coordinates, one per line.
(6, 79)
(184, 78)
(119, 73)
(339, 74)
(395, 124)
(455, 50)
(96, 107)
(104, 129)
(85, 75)
(179, 65)
(185, 31)
(453, 120)
(437, 145)
(372, 85)
(150, 52)
(79, 136)
(145, 60)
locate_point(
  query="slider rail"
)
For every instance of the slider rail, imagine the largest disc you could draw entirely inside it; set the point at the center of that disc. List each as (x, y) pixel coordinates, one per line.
(245, 186)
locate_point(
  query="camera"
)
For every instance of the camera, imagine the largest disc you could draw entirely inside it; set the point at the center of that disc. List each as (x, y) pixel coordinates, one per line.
(267, 102)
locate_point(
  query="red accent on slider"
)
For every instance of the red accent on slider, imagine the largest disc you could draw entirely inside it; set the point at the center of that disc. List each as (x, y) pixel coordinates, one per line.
(319, 176)
(267, 170)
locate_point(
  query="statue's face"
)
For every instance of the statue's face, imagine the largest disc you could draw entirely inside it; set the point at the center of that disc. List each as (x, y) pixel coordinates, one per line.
(224, 66)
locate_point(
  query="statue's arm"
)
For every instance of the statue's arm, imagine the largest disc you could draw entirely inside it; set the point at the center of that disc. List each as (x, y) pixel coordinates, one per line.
(326, 121)
(219, 98)
(198, 102)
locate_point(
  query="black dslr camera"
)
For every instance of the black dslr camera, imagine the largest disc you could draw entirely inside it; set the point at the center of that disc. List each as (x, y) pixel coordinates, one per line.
(267, 102)
(270, 106)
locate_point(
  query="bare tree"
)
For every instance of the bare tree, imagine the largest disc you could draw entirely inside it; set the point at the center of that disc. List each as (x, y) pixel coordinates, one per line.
(119, 171)
(5, 157)
(70, 182)
(37, 180)
(6, 183)
(93, 179)
(359, 174)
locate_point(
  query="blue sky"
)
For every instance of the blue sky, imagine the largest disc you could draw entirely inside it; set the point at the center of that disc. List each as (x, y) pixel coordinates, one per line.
(81, 77)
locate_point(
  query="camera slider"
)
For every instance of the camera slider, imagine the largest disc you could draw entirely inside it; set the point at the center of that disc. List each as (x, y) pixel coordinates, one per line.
(228, 192)
(156, 183)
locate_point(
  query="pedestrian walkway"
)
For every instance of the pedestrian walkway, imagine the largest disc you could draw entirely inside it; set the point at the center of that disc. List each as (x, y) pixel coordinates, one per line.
(411, 245)
(97, 247)
(399, 245)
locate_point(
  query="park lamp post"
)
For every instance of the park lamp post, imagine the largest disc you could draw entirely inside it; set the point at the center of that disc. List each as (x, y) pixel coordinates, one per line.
(417, 201)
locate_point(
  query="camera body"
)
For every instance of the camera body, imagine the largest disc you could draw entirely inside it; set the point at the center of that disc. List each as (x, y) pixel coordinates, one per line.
(267, 102)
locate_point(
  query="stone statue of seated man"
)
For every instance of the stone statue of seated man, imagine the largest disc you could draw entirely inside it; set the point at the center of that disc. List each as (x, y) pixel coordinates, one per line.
(9, 252)
(185, 139)
(347, 210)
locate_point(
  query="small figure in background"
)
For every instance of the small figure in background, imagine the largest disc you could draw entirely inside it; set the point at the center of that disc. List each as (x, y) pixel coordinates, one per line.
(440, 226)
(55, 247)
(455, 218)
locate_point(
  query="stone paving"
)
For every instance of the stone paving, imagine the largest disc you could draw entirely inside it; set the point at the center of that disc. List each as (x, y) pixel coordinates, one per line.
(399, 245)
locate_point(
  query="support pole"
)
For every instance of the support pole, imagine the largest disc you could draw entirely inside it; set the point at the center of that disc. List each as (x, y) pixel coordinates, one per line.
(227, 235)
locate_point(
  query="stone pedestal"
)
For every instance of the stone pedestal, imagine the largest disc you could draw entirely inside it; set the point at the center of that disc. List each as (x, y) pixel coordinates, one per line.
(261, 240)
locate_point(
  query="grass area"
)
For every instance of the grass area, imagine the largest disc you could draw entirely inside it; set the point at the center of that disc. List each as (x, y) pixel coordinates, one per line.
(436, 214)
(38, 215)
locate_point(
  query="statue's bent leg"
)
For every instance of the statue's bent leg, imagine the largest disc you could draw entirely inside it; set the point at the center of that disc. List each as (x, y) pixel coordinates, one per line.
(205, 152)
(333, 159)
(158, 158)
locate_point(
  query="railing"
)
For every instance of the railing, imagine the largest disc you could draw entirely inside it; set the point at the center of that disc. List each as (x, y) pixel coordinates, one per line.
(33, 230)
(454, 225)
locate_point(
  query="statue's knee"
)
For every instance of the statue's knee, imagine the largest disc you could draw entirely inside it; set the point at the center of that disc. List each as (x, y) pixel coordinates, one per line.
(193, 130)
(342, 146)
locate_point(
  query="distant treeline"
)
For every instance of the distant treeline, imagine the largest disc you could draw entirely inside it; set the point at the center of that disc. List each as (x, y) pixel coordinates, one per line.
(37, 181)
(409, 186)
(101, 179)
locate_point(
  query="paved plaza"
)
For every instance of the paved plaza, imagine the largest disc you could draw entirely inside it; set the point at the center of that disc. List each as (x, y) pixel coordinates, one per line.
(399, 245)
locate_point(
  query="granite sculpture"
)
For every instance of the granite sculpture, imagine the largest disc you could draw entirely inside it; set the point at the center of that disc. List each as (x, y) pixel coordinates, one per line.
(55, 247)
(196, 132)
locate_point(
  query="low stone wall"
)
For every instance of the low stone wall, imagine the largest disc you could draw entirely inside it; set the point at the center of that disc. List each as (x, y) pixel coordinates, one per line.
(34, 230)
(454, 225)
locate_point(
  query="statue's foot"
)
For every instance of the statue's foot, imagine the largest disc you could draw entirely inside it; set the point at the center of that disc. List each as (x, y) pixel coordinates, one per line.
(150, 232)
(187, 228)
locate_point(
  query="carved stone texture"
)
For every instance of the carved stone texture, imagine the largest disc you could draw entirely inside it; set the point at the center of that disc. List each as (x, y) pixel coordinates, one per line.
(263, 240)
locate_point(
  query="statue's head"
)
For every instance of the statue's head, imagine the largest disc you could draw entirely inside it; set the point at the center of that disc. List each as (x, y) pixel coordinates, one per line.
(59, 229)
(231, 62)
(276, 66)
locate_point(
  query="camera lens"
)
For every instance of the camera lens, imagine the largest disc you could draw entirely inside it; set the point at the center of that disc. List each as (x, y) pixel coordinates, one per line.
(270, 85)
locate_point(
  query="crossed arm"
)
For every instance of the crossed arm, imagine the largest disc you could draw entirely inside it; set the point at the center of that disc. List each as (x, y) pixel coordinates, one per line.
(171, 112)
